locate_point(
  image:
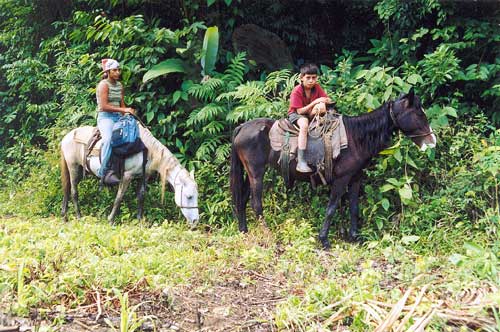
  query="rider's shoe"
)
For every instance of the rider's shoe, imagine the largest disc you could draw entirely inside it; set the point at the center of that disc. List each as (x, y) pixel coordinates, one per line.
(302, 166)
(110, 179)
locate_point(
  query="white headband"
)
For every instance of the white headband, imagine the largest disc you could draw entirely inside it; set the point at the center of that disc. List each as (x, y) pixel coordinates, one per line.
(108, 64)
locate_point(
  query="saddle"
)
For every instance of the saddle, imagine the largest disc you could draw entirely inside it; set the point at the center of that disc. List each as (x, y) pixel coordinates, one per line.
(326, 137)
(92, 148)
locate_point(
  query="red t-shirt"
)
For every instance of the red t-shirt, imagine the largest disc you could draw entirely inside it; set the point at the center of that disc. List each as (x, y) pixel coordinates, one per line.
(298, 97)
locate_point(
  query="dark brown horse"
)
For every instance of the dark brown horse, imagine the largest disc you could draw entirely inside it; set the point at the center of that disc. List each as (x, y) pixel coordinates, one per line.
(367, 135)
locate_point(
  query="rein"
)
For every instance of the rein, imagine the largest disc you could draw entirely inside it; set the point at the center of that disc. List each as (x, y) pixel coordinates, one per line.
(182, 188)
(396, 124)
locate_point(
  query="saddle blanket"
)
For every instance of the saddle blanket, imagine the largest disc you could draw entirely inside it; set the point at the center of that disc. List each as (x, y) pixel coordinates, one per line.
(329, 128)
(83, 135)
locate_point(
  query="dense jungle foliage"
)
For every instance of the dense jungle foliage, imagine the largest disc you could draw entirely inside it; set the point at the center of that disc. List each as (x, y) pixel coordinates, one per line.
(369, 53)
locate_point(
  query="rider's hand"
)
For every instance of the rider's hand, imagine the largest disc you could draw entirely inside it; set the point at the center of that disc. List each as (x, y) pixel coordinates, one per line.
(130, 110)
(325, 100)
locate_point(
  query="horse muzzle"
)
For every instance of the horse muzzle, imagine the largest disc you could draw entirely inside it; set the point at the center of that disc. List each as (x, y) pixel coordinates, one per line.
(428, 141)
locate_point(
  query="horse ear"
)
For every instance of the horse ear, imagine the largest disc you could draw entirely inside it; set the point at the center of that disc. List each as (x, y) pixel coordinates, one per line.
(411, 96)
(192, 174)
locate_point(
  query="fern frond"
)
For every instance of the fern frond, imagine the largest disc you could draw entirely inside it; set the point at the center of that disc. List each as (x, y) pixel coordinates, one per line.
(223, 152)
(287, 87)
(207, 148)
(206, 114)
(214, 127)
(241, 113)
(247, 92)
(207, 90)
(42, 108)
(277, 79)
(234, 74)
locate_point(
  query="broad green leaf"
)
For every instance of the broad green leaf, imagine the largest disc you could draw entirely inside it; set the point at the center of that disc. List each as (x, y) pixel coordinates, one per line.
(398, 156)
(398, 81)
(414, 78)
(410, 239)
(361, 74)
(456, 259)
(393, 181)
(474, 248)
(228, 2)
(391, 150)
(442, 121)
(149, 116)
(405, 193)
(210, 2)
(385, 204)
(209, 51)
(450, 111)
(387, 93)
(361, 97)
(176, 96)
(387, 152)
(386, 187)
(411, 162)
(173, 65)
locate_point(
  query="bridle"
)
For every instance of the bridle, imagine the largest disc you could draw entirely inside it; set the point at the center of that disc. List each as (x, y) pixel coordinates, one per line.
(396, 124)
(182, 188)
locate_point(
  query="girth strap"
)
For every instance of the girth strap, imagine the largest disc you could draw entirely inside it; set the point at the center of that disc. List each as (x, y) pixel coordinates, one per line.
(285, 160)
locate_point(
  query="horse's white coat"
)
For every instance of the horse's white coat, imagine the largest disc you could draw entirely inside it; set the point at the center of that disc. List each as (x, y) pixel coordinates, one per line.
(160, 160)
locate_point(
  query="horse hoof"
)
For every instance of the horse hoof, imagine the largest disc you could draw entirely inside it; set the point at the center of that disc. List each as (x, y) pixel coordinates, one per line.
(262, 220)
(354, 237)
(325, 243)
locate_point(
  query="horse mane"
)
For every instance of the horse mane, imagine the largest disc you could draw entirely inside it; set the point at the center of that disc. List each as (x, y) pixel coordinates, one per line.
(162, 160)
(371, 131)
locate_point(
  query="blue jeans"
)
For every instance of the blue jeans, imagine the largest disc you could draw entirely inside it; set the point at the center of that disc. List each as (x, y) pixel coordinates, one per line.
(105, 122)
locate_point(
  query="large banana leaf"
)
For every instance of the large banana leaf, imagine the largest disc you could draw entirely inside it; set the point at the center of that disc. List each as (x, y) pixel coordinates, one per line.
(210, 49)
(165, 67)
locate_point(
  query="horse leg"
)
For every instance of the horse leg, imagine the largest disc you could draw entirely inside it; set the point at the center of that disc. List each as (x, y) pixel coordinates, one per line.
(336, 192)
(126, 179)
(66, 187)
(256, 186)
(141, 191)
(74, 174)
(353, 192)
(241, 206)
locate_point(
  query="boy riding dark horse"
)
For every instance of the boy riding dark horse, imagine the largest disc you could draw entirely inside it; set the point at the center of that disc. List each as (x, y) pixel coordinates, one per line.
(306, 100)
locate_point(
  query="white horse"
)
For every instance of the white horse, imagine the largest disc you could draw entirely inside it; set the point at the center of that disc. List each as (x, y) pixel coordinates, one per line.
(160, 160)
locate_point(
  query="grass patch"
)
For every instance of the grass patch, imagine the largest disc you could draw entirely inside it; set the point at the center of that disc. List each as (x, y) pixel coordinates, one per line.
(49, 264)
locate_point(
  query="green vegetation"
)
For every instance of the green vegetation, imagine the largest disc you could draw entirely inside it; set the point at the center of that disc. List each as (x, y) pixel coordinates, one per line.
(431, 220)
(52, 263)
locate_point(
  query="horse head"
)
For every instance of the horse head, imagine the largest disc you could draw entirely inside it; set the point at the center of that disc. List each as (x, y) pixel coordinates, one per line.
(186, 195)
(409, 117)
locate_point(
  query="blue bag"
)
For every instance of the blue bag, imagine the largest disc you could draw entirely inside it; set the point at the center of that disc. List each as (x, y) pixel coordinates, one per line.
(126, 130)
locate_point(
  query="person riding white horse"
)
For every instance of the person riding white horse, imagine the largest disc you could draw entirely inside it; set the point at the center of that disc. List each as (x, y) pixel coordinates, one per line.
(74, 159)
(110, 107)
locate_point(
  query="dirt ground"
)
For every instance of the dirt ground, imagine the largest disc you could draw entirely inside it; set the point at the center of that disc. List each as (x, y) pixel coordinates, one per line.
(245, 303)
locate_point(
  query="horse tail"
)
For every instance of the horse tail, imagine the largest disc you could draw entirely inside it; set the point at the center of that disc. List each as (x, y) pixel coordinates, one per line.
(238, 185)
(65, 183)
